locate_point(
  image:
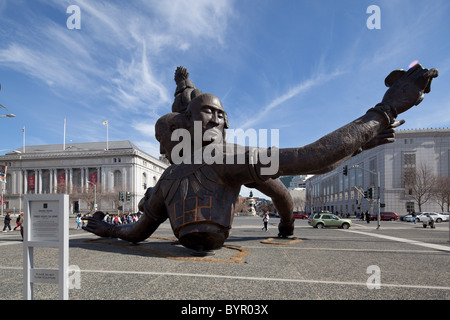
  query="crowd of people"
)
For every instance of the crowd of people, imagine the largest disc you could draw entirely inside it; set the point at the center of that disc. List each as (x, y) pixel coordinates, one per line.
(7, 223)
(125, 218)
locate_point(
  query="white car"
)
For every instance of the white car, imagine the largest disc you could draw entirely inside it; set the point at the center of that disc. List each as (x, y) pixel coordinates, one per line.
(445, 214)
(435, 216)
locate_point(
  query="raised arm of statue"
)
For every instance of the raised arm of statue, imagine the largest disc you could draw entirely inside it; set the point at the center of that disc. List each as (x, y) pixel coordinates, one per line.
(407, 89)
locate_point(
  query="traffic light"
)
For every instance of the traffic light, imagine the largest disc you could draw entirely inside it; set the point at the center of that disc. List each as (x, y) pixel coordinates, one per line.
(365, 194)
(370, 193)
(120, 196)
(128, 196)
(345, 170)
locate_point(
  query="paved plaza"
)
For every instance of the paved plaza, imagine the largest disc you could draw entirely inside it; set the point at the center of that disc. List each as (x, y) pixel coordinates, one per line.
(400, 261)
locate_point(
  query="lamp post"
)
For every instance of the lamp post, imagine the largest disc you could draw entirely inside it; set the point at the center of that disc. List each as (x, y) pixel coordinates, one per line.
(377, 173)
(6, 115)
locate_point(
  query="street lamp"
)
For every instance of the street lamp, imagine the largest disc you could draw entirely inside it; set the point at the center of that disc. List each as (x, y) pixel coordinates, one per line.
(6, 115)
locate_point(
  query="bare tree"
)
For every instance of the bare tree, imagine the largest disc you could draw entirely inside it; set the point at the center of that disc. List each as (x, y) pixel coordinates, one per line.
(266, 206)
(441, 192)
(240, 205)
(419, 183)
(92, 194)
(299, 203)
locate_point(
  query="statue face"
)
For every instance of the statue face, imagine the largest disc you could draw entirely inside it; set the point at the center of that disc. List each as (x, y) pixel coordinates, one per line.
(208, 109)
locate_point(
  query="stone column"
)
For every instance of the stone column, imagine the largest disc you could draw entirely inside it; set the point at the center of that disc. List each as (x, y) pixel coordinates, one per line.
(70, 180)
(50, 181)
(25, 181)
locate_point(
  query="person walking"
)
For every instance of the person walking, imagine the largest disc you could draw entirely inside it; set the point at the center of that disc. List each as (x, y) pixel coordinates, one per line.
(367, 216)
(266, 221)
(7, 222)
(21, 224)
(17, 223)
(78, 221)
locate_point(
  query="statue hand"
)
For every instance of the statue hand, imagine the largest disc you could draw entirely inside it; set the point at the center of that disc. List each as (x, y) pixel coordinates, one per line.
(385, 136)
(407, 88)
(99, 227)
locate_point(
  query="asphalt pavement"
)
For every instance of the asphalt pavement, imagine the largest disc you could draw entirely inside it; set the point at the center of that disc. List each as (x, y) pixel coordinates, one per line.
(399, 261)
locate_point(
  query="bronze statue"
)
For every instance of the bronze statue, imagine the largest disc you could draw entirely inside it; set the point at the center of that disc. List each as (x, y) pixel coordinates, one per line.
(198, 197)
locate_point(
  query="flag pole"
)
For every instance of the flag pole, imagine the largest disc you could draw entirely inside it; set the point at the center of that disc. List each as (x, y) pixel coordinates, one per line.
(106, 123)
(23, 130)
(64, 143)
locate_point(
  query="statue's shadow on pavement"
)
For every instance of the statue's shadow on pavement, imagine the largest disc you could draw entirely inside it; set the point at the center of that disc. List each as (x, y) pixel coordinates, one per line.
(163, 248)
(169, 248)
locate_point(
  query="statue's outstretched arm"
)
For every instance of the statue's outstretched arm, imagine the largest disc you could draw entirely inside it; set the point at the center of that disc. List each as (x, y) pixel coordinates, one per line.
(136, 232)
(407, 89)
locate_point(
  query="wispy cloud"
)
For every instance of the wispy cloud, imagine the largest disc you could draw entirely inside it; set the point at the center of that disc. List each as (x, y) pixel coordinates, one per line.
(121, 54)
(297, 90)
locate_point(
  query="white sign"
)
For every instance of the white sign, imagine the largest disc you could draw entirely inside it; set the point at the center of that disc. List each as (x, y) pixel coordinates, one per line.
(44, 275)
(44, 220)
(46, 225)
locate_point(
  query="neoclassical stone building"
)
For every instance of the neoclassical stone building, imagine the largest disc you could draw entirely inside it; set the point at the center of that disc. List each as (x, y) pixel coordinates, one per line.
(88, 172)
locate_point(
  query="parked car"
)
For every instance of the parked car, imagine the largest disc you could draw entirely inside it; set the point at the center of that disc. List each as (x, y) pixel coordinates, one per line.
(408, 218)
(423, 216)
(385, 216)
(329, 220)
(300, 215)
(446, 216)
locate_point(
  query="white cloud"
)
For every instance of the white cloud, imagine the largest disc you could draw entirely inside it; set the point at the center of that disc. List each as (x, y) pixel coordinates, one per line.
(298, 89)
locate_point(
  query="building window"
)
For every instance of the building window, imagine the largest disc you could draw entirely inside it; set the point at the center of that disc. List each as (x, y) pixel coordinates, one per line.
(410, 206)
(409, 167)
(117, 179)
(144, 181)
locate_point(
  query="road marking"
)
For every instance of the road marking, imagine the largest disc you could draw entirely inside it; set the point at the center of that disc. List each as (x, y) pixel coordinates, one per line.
(216, 276)
(415, 242)
(85, 234)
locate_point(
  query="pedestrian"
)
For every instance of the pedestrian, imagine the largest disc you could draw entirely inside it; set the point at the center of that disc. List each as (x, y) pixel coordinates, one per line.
(413, 215)
(430, 221)
(367, 216)
(21, 224)
(266, 221)
(17, 223)
(78, 221)
(7, 222)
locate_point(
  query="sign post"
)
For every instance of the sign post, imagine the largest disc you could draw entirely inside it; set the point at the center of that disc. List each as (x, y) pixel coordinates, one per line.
(46, 225)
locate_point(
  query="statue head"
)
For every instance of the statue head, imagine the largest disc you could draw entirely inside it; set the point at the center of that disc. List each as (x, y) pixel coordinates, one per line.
(208, 110)
(163, 132)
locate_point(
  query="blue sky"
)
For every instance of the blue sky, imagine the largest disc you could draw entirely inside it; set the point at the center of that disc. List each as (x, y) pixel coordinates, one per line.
(302, 67)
